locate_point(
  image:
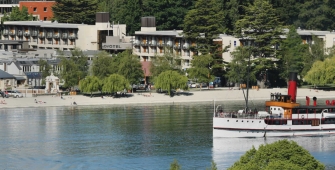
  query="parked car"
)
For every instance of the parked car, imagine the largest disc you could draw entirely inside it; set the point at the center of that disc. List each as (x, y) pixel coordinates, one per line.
(195, 85)
(14, 93)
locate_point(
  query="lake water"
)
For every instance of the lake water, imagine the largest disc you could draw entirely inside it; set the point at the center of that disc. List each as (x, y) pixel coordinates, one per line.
(147, 137)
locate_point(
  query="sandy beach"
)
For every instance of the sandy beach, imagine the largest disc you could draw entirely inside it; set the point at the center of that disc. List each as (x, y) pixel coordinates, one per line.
(156, 98)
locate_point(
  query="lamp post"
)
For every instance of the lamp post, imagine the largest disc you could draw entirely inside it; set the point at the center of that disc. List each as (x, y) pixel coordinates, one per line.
(266, 78)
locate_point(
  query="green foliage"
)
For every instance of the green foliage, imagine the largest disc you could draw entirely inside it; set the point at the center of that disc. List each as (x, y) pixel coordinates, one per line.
(292, 54)
(130, 12)
(237, 71)
(170, 80)
(316, 52)
(69, 11)
(130, 67)
(169, 14)
(74, 68)
(164, 63)
(322, 72)
(201, 69)
(18, 15)
(261, 24)
(101, 65)
(115, 83)
(90, 84)
(45, 69)
(282, 154)
(317, 14)
(204, 23)
(213, 166)
(174, 165)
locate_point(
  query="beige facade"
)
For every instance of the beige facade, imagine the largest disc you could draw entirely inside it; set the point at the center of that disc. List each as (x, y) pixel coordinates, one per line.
(62, 36)
(150, 43)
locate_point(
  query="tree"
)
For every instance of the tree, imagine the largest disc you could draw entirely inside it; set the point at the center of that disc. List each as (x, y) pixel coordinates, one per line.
(74, 68)
(316, 52)
(288, 11)
(102, 65)
(238, 67)
(18, 15)
(282, 154)
(201, 68)
(163, 63)
(204, 23)
(45, 69)
(322, 72)
(261, 25)
(115, 83)
(130, 13)
(213, 166)
(69, 11)
(175, 165)
(317, 15)
(90, 84)
(130, 67)
(292, 54)
(170, 80)
(169, 14)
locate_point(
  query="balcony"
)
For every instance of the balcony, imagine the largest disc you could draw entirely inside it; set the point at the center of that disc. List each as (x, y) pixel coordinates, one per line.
(5, 32)
(72, 36)
(137, 43)
(176, 46)
(20, 33)
(64, 35)
(56, 35)
(186, 47)
(153, 44)
(49, 35)
(160, 44)
(26, 33)
(144, 43)
(41, 35)
(11, 33)
(34, 34)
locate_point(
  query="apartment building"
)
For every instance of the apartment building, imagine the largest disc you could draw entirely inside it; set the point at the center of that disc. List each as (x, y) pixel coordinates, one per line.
(230, 43)
(63, 36)
(41, 10)
(150, 43)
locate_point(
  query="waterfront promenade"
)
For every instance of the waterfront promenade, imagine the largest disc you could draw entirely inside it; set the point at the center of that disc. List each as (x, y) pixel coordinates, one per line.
(156, 98)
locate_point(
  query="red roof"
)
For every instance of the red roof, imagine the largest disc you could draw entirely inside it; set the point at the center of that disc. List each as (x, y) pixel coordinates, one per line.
(146, 68)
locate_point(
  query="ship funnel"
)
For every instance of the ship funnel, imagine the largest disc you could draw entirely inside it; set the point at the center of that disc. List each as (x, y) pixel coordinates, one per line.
(292, 86)
(314, 101)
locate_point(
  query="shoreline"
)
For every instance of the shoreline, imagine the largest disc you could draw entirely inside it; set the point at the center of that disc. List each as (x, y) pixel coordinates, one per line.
(156, 98)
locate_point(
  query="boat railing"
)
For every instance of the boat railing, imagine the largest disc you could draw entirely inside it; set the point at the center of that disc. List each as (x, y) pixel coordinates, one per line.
(245, 116)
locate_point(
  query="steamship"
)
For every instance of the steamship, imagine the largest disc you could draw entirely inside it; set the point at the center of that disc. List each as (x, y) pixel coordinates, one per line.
(283, 117)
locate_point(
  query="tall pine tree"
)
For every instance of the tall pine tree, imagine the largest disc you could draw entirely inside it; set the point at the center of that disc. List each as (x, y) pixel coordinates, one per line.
(262, 26)
(79, 11)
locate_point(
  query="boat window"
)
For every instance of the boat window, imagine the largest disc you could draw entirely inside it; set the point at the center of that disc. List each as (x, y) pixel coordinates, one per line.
(274, 108)
(310, 110)
(318, 110)
(227, 120)
(236, 120)
(260, 121)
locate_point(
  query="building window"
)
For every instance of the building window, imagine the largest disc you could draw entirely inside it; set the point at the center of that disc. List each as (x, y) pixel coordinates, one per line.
(35, 9)
(45, 9)
(45, 18)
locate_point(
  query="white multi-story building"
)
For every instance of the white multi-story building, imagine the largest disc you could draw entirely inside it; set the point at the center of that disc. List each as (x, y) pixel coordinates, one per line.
(63, 36)
(150, 43)
(230, 43)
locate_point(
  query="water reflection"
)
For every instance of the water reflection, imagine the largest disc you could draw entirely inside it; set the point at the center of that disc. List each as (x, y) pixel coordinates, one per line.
(228, 150)
(125, 137)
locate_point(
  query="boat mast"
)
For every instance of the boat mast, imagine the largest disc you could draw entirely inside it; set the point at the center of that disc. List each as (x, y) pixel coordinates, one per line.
(248, 75)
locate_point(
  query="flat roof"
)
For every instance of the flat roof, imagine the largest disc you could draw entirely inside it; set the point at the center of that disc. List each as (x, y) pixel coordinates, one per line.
(12, 41)
(43, 24)
(177, 33)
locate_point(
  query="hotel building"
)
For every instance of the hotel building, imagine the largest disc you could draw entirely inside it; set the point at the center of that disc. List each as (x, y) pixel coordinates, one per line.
(63, 36)
(150, 43)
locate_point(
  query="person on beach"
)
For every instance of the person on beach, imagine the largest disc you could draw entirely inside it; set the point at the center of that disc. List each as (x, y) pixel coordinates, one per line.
(74, 103)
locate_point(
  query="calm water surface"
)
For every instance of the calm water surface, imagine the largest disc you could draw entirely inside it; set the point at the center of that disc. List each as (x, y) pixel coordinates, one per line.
(147, 137)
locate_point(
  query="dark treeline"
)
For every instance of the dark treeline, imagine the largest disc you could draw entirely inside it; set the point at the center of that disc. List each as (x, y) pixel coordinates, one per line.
(307, 14)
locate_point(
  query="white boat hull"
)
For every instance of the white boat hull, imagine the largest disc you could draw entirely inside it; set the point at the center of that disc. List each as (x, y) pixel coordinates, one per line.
(254, 128)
